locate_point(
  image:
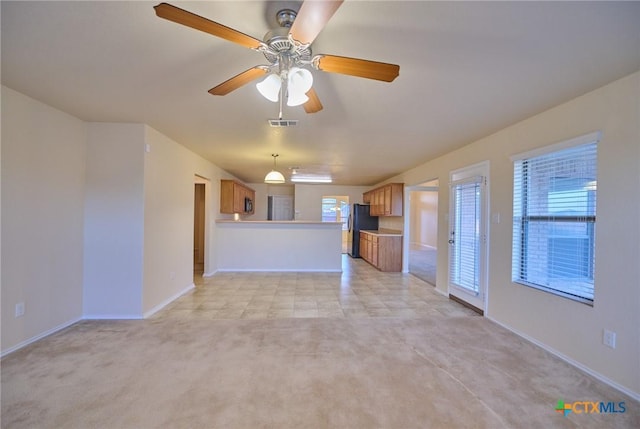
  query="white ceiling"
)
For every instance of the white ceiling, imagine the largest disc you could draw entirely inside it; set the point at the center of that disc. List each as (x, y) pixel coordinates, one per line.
(467, 69)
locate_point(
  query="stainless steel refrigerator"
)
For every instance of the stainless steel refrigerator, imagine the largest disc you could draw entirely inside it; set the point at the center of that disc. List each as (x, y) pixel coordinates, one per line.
(359, 219)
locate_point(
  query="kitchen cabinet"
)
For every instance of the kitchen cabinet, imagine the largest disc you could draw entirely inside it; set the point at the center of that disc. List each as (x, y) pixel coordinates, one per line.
(386, 200)
(382, 250)
(236, 197)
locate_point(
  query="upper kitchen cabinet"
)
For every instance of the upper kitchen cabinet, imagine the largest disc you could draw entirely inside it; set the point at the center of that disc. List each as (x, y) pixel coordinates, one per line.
(236, 197)
(386, 200)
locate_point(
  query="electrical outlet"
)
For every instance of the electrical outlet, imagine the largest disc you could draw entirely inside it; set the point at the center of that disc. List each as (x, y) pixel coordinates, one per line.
(609, 338)
(20, 309)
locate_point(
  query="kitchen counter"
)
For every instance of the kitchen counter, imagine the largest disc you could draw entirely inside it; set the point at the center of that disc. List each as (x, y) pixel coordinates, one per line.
(287, 222)
(279, 245)
(383, 232)
(382, 248)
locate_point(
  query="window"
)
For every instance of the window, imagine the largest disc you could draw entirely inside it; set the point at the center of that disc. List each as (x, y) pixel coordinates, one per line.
(554, 218)
(329, 212)
(336, 209)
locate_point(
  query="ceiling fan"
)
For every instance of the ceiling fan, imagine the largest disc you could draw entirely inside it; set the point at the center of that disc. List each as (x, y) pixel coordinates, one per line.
(288, 51)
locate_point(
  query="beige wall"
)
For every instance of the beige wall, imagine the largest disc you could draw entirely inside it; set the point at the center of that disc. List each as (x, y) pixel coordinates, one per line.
(308, 198)
(263, 191)
(169, 170)
(114, 221)
(43, 185)
(424, 218)
(572, 329)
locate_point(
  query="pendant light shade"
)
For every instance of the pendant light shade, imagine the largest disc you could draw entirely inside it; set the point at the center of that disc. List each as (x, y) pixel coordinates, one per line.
(274, 176)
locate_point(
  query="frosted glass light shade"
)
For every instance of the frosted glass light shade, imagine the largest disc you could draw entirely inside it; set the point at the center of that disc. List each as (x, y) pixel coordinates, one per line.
(298, 84)
(295, 99)
(274, 177)
(270, 87)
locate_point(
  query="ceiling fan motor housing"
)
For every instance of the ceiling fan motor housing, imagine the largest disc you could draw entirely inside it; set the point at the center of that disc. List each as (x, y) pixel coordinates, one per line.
(278, 42)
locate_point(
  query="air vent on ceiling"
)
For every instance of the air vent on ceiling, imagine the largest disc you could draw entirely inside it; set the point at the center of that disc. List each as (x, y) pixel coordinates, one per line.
(283, 122)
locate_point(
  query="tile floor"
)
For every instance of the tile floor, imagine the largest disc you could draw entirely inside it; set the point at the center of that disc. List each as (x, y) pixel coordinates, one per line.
(360, 291)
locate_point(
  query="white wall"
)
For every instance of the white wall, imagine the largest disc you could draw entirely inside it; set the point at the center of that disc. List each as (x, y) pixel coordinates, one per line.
(139, 220)
(280, 246)
(43, 176)
(308, 198)
(169, 171)
(572, 329)
(263, 191)
(114, 221)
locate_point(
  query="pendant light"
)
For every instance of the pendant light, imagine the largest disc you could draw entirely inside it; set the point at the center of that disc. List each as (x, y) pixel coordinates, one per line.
(274, 176)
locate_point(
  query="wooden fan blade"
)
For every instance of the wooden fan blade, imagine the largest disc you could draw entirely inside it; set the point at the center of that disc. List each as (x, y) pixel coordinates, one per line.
(311, 19)
(181, 16)
(313, 105)
(356, 67)
(237, 81)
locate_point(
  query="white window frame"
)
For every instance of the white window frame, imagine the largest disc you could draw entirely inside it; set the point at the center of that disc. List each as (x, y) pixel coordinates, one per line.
(474, 173)
(517, 255)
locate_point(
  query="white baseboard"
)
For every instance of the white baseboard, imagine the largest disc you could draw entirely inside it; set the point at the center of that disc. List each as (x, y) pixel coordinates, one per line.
(580, 366)
(209, 274)
(113, 317)
(424, 246)
(443, 293)
(167, 301)
(40, 336)
(283, 270)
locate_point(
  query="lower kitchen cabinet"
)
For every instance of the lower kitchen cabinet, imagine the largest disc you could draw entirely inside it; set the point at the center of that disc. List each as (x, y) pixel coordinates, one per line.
(383, 251)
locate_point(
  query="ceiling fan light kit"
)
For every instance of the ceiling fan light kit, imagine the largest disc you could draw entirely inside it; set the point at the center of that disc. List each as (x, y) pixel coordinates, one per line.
(288, 51)
(298, 83)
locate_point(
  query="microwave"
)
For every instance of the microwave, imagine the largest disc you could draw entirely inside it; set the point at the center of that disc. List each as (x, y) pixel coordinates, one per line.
(248, 205)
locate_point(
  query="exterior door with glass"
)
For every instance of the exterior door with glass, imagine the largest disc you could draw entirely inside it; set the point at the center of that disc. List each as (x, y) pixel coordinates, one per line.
(468, 235)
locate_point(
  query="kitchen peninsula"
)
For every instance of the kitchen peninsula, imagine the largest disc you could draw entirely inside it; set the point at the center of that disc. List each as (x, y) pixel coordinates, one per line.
(279, 246)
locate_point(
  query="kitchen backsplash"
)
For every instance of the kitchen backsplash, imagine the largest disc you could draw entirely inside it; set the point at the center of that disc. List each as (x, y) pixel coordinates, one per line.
(388, 222)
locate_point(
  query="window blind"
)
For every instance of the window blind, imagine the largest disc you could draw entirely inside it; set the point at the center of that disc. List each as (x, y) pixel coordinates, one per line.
(554, 216)
(465, 235)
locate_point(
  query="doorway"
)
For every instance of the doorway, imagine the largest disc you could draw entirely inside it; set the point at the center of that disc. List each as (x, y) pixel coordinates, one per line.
(335, 208)
(468, 236)
(199, 216)
(423, 230)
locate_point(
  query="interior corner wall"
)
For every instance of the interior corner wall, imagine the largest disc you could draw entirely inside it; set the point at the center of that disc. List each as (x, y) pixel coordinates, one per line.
(114, 221)
(169, 172)
(42, 176)
(568, 328)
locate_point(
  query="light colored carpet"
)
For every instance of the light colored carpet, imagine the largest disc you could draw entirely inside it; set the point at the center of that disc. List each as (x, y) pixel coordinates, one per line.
(428, 372)
(422, 263)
